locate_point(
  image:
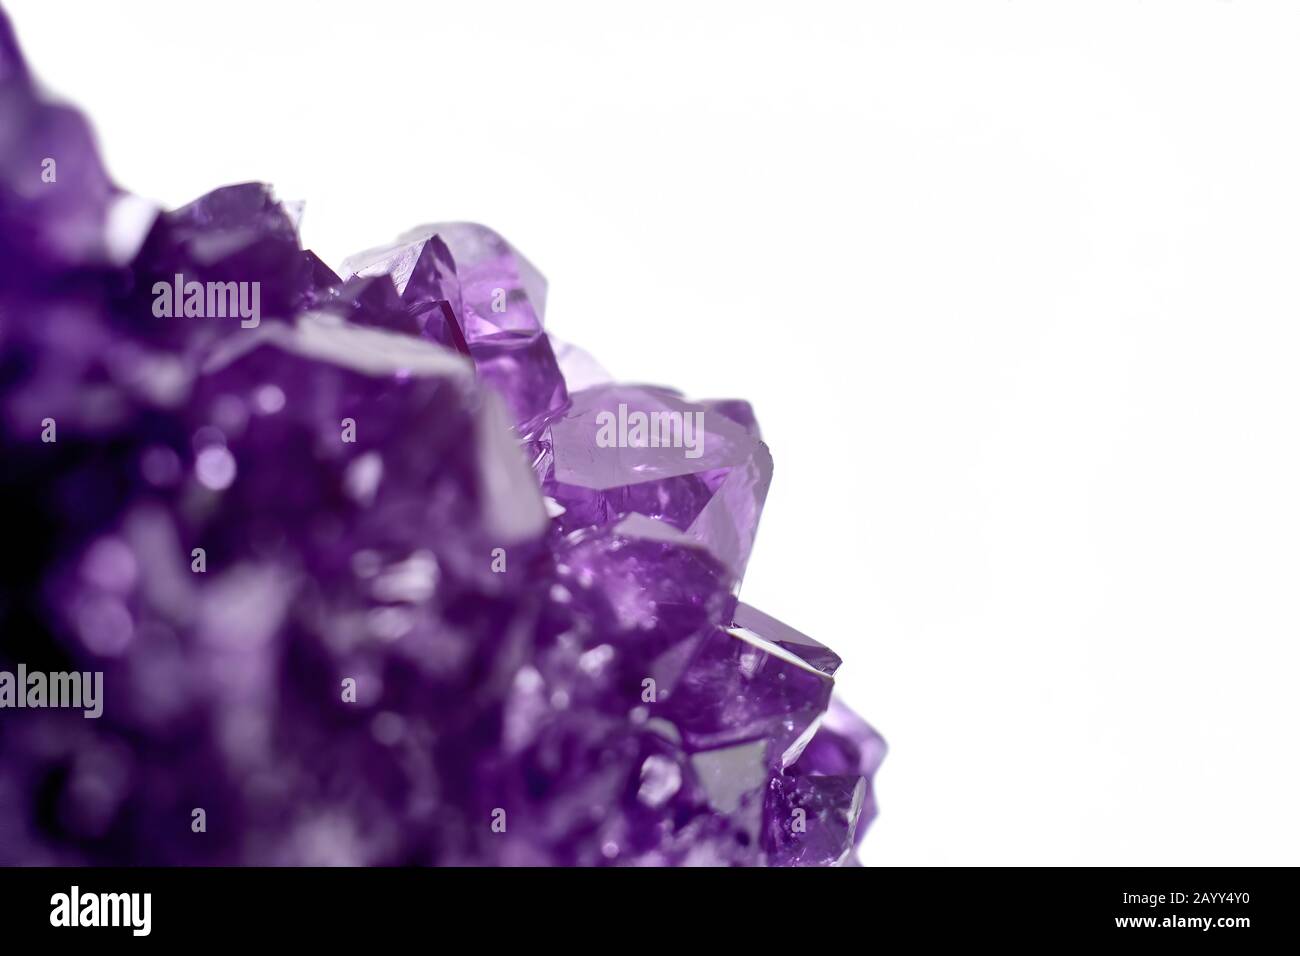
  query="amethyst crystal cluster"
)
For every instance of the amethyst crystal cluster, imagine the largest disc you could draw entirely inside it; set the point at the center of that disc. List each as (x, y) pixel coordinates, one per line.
(364, 582)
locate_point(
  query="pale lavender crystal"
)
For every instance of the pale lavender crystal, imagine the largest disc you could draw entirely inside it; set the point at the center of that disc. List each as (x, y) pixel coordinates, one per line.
(714, 497)
(463, 286)
(501, 291)
(814, 653)
(394, 479)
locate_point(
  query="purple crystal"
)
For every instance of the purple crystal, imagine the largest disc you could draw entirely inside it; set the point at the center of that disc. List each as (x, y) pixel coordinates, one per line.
(381, 576)
(463, 286)
(710, 485)
(812, 652)
(54, 192)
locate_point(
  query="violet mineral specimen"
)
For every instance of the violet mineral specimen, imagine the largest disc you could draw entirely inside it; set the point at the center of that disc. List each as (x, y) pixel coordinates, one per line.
(374, 571)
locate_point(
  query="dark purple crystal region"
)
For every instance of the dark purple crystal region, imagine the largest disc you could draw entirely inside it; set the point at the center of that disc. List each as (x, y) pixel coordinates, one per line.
(363, 567)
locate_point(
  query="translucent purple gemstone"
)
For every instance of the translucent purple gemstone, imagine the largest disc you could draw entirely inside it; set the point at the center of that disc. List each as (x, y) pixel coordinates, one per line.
(537, 614)
(715, 498)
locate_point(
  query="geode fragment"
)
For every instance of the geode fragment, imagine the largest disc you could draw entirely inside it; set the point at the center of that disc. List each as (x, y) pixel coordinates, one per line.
(373, 570)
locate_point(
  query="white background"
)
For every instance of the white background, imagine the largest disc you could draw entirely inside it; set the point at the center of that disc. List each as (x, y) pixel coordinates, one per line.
(1011, 286)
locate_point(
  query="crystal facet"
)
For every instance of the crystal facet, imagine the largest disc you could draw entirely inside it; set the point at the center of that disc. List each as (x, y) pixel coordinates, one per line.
(715, 498)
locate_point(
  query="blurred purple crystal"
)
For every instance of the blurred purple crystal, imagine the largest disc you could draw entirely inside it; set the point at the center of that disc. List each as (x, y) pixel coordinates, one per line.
(368, 582)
